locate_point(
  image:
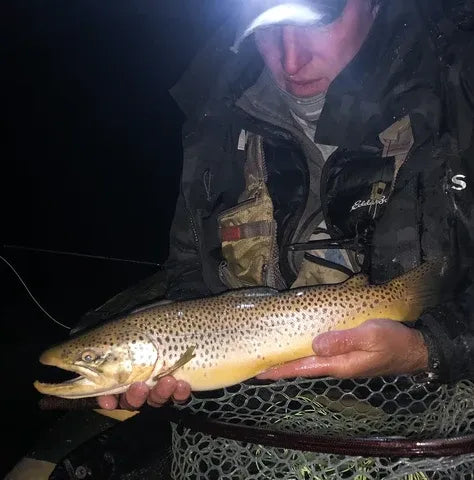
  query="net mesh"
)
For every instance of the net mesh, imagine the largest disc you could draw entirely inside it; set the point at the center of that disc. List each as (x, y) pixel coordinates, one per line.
(377, 408)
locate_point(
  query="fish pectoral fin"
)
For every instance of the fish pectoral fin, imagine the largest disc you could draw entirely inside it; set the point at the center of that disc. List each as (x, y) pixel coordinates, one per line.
(187, 356)
(252, 292)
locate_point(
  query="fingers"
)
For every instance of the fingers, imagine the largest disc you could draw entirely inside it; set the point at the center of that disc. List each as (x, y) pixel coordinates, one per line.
(133, 399)
(182, 392)
(108, 402)
(135, 396)
(350, 365)
(162, 391)
(355, 365)
(167, 388)
(304, 367)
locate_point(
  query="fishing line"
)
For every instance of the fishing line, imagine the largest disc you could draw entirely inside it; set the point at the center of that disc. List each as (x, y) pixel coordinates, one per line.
(31, 295)
(82, 255)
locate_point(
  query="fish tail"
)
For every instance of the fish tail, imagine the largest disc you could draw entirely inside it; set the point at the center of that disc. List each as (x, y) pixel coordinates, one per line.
(424, 284)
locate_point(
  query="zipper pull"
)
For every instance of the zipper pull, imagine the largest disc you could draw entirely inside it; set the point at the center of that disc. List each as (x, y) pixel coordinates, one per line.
(242, 140)
(377, 197)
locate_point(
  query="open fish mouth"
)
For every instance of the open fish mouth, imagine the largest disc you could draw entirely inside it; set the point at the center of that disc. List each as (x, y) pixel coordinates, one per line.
(84, 384)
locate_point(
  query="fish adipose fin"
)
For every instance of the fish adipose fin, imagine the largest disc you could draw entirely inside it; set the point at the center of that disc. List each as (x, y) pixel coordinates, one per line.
(187, 356)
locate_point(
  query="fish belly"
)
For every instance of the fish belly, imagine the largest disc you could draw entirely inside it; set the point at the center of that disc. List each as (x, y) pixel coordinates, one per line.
(239, 368)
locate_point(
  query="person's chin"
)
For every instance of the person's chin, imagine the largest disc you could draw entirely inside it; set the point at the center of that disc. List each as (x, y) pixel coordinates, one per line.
(307, 89)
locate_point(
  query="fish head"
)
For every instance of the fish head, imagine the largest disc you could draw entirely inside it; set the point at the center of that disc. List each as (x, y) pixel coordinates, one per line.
(107, 360)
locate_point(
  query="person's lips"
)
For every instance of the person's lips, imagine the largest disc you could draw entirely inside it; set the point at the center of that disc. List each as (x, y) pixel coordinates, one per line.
(302, 81)
(306, 88)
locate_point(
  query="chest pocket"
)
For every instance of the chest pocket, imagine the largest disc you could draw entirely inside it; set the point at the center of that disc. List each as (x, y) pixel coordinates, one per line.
(358, 185)
(248, 231)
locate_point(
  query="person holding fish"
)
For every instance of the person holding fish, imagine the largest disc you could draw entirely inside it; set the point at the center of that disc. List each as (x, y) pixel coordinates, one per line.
(328, 142)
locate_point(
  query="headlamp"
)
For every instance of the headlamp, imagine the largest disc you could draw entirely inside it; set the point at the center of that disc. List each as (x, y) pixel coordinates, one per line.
(258, 14)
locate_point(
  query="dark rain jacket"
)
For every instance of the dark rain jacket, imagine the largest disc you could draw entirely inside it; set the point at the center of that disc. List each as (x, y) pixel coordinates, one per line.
(417, 63)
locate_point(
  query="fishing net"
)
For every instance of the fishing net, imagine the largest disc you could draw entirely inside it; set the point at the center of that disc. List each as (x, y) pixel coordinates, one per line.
(378, 409)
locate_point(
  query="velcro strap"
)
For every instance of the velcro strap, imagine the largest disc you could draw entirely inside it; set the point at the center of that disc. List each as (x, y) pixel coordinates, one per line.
(247, 230)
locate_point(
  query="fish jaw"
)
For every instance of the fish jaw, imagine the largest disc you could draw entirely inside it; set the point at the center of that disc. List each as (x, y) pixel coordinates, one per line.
(77, 388)
(94, 381)
(89, 382)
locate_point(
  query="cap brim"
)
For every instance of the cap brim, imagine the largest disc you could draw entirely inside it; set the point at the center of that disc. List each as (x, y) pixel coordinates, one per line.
(268, 13)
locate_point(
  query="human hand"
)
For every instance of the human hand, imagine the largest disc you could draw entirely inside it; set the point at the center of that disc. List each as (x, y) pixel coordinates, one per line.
(139, 393)
(376, 348)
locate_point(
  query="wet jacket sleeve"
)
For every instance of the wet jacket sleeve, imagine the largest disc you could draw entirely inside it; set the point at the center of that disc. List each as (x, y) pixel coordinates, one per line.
(449, 328)
(448, 331)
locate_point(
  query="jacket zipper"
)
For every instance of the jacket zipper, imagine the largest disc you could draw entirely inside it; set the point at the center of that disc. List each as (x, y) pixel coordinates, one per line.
(194, 230)
(249, 201)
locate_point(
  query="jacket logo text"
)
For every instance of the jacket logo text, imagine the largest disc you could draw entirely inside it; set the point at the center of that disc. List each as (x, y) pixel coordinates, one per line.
(458, 182)
(369, 203)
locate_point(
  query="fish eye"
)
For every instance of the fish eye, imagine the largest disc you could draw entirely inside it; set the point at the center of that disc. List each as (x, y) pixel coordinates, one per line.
(89, 356)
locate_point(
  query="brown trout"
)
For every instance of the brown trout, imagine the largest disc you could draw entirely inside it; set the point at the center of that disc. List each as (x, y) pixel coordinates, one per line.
(222, 340)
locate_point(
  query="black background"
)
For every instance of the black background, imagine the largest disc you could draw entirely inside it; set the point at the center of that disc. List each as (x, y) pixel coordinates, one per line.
(90, 162)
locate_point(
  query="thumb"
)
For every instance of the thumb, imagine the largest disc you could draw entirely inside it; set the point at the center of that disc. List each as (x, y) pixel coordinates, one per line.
(339, 342)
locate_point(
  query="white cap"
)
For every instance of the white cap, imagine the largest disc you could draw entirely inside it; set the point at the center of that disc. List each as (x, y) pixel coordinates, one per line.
(263, 13)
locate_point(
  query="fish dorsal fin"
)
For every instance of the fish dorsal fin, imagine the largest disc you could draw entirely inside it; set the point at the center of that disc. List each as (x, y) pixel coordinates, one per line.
(359, 280)
(254, 292)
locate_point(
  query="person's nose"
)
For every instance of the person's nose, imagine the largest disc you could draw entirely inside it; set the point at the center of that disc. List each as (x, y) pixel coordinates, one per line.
(295, 54)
